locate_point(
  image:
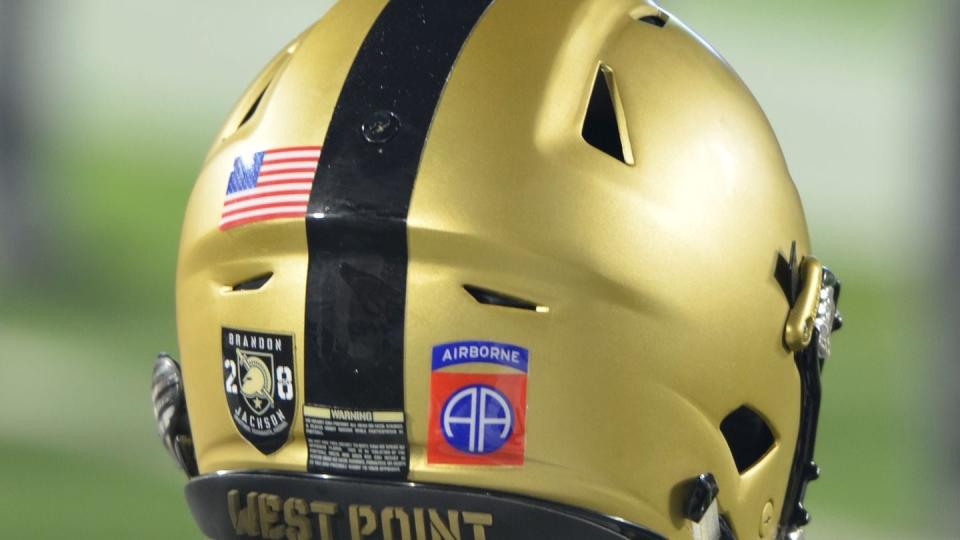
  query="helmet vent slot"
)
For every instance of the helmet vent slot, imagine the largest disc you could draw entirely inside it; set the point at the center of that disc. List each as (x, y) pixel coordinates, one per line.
(748, 436)
(659, 20)
(253, 107)
(604, 126)
(494, 298)
(253, 283)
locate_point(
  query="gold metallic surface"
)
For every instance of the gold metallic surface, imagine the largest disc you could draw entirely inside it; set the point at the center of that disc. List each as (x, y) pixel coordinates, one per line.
(798, 330)
(664, 314)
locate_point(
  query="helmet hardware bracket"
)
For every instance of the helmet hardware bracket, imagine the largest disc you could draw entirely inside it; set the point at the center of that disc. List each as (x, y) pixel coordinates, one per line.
(703, 511)
(813, 292)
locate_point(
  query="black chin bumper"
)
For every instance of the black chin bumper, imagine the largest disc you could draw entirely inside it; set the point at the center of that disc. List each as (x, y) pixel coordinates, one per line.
(304, 506)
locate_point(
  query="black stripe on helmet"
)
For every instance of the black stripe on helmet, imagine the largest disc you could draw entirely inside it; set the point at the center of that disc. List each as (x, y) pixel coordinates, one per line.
(356, 219)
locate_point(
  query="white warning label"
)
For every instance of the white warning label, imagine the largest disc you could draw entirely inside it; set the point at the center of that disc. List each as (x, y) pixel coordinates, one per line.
(351, 441)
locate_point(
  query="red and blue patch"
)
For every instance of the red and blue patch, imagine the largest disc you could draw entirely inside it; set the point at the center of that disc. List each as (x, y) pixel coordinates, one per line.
(478, 417)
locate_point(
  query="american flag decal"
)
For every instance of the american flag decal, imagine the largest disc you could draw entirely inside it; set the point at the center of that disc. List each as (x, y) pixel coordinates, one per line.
(274, 184)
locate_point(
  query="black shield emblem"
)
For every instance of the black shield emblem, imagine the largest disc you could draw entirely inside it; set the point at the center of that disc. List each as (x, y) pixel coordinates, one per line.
(258, 377)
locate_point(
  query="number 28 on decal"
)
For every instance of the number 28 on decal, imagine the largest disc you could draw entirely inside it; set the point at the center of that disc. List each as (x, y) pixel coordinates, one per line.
(258, 379)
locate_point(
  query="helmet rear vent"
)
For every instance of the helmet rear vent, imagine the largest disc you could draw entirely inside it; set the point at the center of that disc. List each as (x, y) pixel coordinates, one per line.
(494, 298)
(748, 436)
(604, 126)
(253, 283)
(253, 107)
(659, 20)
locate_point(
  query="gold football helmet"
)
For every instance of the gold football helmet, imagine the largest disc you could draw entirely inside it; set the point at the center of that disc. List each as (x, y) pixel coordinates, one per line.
(497, 269)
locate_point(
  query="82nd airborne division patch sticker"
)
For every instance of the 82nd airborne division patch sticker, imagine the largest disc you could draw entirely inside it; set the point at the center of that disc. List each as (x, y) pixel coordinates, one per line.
(258, 380)
(478, 417)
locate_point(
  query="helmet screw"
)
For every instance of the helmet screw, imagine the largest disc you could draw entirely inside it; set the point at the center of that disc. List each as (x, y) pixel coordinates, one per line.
(380, 127)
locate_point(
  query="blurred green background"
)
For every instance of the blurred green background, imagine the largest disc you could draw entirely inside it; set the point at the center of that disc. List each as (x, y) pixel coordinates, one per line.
(107, 108)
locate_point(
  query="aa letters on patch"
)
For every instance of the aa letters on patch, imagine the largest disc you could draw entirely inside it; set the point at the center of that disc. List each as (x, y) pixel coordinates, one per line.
(258, 378)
